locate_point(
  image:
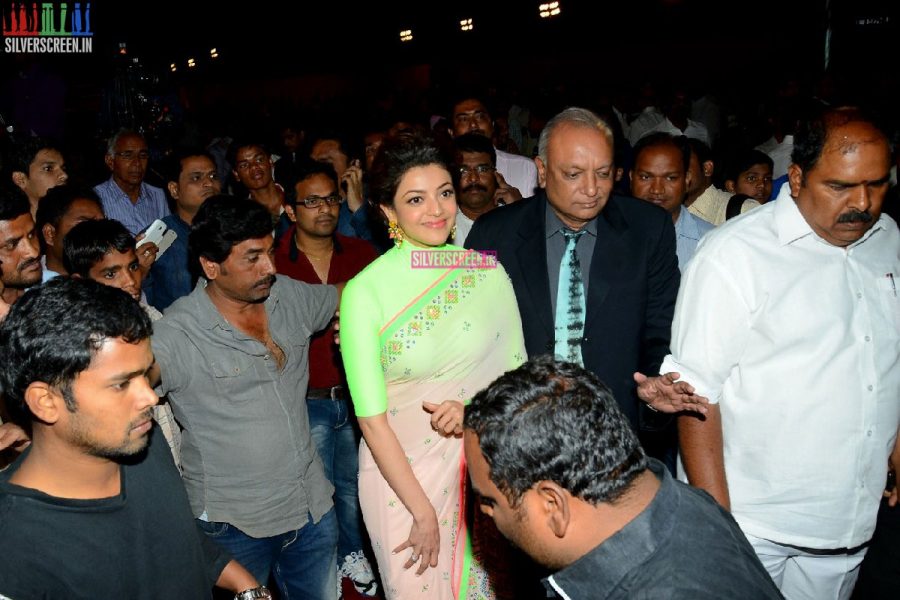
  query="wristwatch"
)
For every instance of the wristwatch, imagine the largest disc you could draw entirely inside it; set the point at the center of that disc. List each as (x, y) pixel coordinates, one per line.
(257, 592)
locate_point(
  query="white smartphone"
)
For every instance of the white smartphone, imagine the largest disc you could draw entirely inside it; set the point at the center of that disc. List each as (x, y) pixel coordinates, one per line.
(154, 233)
(168, 237)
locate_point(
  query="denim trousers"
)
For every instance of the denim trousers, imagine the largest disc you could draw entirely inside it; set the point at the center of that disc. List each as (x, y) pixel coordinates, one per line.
(302, 560)
(337, 443)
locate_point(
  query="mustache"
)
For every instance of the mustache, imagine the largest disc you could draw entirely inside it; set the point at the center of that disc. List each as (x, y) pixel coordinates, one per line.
(270, 281)
(145, 416)
(855, 216)
(474, 186)
(29, 263)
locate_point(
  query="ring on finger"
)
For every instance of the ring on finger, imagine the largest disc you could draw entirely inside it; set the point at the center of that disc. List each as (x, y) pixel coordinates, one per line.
(414, 557)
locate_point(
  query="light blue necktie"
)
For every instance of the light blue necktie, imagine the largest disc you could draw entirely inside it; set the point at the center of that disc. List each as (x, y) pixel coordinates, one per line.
(570, 307)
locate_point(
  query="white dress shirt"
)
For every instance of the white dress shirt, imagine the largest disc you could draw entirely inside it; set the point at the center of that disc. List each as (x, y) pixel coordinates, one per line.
(518, 171)
(693, 130)
(779, 152)
(799, 343)
(463, 227)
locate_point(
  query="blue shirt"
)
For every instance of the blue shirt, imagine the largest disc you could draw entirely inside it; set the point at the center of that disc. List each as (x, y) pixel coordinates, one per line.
(135, 216)
(353, 224)
(170, 275)
(688, 231)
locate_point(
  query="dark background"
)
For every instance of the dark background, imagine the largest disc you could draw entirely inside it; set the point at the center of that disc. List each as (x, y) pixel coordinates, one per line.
(277, 59)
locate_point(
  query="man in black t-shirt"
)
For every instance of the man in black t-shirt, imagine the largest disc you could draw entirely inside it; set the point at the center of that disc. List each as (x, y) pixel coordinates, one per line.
(94, 507)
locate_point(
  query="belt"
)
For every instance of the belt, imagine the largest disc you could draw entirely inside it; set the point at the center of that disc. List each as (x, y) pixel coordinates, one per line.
(329, 393)
(829, 551)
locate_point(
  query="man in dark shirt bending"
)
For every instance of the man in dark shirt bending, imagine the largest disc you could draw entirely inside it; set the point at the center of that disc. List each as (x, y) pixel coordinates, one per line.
(555, 463)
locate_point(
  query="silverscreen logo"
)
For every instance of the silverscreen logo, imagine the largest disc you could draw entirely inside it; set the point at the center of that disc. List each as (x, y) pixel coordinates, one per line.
(47, 27)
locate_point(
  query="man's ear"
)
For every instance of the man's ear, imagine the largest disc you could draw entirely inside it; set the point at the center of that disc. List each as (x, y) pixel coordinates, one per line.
(709, 168)
(44, 401)
(173, 189)
(20, 179)
(542, 171)
(49, 233)
(795, 178)
(108, 159)
(289, 211)
(554, 504)
(210, 269)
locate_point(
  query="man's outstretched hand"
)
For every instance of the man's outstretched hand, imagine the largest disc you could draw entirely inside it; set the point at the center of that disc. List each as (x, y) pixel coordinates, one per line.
(666, 394)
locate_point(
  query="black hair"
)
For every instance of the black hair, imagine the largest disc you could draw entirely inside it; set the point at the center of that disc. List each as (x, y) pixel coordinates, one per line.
(236, 145)
(475, 142)
(813, 133)
(53, 332)
(54, 206)
(221, 223)
(396, 157)
(13, 202)
(742, 160)
(554, 421)
(174, 164)
(701, 149)
(23, 153)
(350, 146)
(88, 242)
(302, 171)
(662, 139)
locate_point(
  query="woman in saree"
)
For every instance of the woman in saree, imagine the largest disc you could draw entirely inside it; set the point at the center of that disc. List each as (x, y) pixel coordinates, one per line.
(423, 328)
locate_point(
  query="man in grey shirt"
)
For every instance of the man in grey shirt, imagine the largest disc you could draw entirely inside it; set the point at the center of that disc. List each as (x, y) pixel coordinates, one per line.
(233, 358)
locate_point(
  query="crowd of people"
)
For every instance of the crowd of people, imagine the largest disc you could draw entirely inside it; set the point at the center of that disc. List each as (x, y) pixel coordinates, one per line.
(437, 368)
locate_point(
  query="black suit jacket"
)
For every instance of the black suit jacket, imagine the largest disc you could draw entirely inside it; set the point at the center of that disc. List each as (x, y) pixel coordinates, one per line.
(633, 283)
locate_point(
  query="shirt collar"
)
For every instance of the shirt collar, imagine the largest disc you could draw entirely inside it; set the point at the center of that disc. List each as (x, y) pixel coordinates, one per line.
(209, 317)
(606, 565)
(791, 226)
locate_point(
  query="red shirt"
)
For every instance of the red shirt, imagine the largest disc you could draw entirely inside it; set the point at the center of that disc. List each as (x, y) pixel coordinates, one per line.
(350, 256)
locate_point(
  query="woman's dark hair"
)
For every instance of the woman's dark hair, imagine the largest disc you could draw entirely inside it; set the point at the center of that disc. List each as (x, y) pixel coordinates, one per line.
(397, 156)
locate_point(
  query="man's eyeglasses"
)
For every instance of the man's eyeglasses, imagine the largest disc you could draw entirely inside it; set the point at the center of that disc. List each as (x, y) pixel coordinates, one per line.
(316, 201)
(131, 154)
(477, 170)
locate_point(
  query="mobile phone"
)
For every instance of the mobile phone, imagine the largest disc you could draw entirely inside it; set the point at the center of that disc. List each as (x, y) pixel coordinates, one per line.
(154, 233)
(168, 237)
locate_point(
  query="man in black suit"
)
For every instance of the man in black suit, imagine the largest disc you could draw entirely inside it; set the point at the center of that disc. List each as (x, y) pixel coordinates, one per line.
(627, 259)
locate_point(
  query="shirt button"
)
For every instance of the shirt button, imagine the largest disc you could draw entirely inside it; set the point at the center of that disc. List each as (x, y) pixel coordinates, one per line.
(869, 433)
(868, 339)
(869, 388)
(266, 357)
(858, 295)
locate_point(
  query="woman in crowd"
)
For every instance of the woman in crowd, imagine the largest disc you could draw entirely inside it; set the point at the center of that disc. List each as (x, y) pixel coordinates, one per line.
(417, 344)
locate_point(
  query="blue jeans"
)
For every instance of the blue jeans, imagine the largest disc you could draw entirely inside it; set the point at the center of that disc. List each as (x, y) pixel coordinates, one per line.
(302, 561)
(337, 443)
